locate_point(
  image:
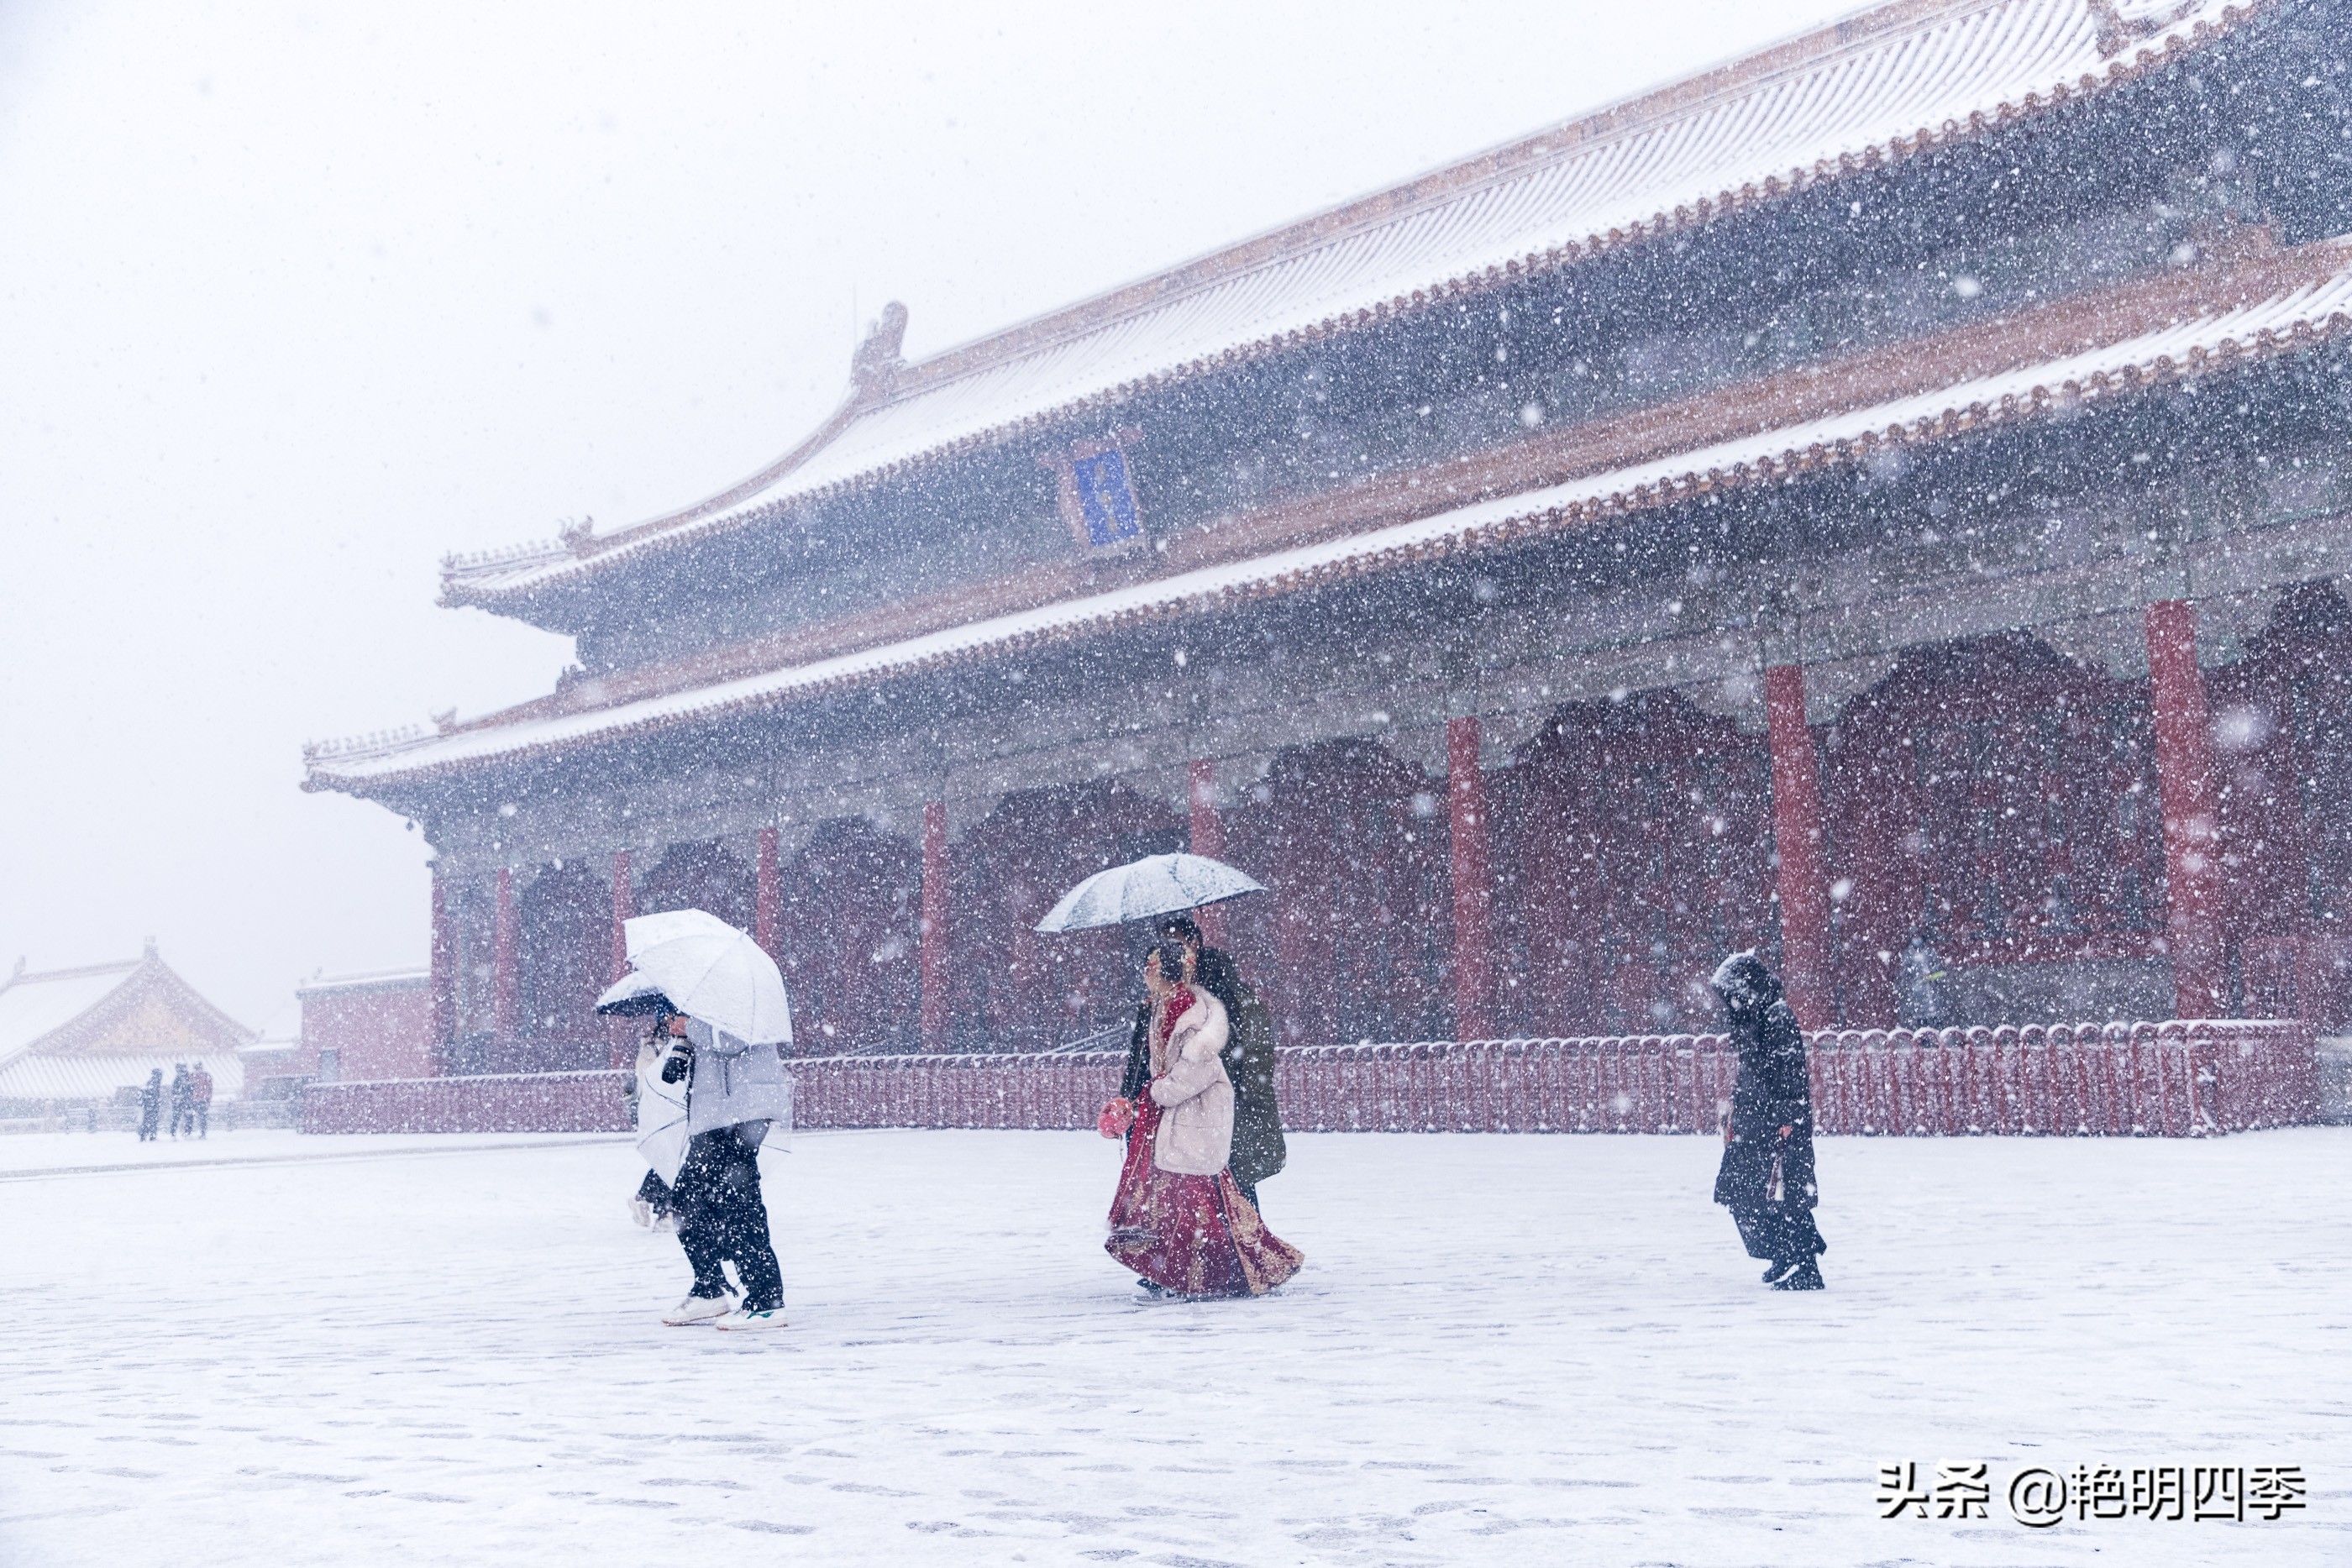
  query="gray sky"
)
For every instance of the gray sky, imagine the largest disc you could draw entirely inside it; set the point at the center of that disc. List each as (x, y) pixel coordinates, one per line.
(295, 298)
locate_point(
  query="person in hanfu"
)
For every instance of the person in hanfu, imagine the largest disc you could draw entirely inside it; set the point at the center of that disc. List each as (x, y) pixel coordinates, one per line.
(1258, 1148)
(1767, 1175)
(151, 1106)
(1178, 1219)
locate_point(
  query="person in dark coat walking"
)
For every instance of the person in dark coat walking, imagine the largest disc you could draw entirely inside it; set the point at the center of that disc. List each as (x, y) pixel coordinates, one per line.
(1258, 1150)
(720, 1213)
(1767, 1175)
(183, 1112)
(200, 1100)
(151, 1106)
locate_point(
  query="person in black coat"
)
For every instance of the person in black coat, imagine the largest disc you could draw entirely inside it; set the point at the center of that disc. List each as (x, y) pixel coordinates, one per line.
(1767, 1175)
(151, 1106)
(720, 1213)
(183, 1102)
(1259, 1151)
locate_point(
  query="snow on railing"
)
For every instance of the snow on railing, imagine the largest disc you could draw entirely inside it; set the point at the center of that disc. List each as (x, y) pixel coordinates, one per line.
(2193, 1079)
(2167, 1080)
(508, 1103)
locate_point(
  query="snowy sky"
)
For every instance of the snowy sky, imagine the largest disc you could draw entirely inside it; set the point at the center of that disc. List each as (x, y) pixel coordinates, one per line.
(294, 298)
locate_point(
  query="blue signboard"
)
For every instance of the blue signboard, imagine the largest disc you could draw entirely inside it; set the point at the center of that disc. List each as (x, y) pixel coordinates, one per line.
(1106, 499)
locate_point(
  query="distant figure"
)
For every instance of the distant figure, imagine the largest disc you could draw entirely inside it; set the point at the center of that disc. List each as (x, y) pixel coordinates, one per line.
(183, 1104)
(200, 1099)
(151, 1106)
(1921, 985)
(1767, 1175)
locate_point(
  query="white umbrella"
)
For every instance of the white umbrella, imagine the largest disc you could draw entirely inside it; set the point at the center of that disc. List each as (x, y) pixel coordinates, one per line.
(713, 972)
(1156, 885)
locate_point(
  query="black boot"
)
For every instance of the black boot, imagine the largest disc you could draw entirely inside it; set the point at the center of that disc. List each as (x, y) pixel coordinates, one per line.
(1803, 1276)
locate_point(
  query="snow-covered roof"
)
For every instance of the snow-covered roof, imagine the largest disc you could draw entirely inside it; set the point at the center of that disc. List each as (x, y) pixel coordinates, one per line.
(2307, 296)
(43, 1076)
(36, 1006)
(375, 980)
(1885, 84)
(110, 1012)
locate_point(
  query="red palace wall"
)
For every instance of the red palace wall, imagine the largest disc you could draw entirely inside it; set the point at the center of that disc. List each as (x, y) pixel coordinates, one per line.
(376, 1029)
(2000, 802)
(1628, 866)
(1008, 985)
(846, 939)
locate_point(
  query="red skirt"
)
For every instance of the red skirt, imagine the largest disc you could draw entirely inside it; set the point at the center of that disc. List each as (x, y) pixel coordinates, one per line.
(1193, 1235)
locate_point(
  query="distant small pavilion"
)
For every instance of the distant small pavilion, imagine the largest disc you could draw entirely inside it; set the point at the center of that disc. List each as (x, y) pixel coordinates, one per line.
(81, 1035)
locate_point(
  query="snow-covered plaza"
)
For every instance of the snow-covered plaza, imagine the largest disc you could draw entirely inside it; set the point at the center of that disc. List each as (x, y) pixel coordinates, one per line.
(1502, 1350)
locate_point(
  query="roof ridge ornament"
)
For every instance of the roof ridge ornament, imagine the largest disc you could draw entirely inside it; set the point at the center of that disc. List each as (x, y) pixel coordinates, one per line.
(873, 368)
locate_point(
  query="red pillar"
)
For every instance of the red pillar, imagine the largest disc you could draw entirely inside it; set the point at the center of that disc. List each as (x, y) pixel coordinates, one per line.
(934, 928)
(1208, 836)
(1803, 880)
(763, 907)
(2184, 778)
(622, 1033)
(1465, 794)
(625, 905)
(506, 992)
(444, 982)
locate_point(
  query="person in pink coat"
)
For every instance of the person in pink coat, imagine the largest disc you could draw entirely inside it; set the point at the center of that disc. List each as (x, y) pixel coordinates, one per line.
(1178, 1219)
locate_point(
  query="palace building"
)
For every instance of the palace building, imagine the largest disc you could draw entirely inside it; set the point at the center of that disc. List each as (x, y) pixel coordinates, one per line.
(1883, 500)
(86, 1036)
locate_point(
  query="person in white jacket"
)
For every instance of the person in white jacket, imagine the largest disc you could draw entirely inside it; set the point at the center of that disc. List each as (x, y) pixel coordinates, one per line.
(733, 1090)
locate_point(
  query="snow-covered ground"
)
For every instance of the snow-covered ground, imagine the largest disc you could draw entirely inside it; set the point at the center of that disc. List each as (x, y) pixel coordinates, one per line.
(80, 1154)
(1504, 1350)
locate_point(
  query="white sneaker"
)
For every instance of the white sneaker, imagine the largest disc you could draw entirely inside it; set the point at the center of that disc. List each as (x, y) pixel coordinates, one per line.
(700, 1310)
(768, 1318)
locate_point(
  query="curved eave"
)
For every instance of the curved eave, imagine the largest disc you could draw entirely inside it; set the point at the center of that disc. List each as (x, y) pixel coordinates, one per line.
(549, 575)
(1817, 447)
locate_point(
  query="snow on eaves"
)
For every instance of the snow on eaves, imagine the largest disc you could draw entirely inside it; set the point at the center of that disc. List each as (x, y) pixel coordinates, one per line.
(1878, 88)
(2211, 341)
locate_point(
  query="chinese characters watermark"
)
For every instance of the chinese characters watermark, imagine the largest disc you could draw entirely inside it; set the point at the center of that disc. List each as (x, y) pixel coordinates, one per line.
(2039, 1497)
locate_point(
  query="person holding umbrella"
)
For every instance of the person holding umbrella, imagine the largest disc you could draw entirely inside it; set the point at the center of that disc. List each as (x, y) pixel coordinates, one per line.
(1258, 1149)
(1767, 1175)
(706, 1100)
(1178, 1219)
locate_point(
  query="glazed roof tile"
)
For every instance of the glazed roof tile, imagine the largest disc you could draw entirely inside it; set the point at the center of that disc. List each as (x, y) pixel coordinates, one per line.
(35, 1006)
(2192, 341)
(39, 1076)
(1879, 86)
